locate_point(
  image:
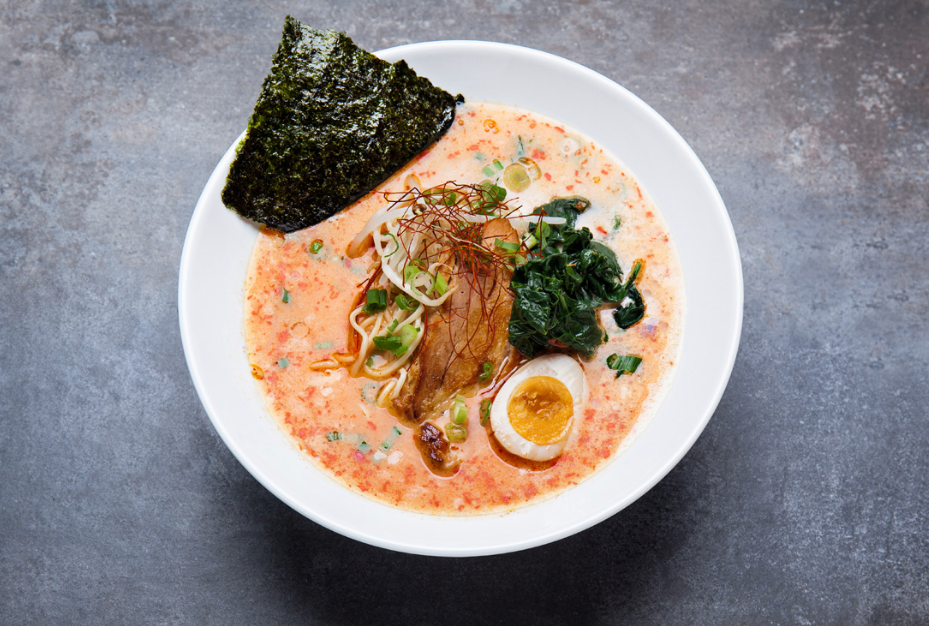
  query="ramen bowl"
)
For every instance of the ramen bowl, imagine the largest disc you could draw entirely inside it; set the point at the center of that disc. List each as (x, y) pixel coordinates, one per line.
(210, 302)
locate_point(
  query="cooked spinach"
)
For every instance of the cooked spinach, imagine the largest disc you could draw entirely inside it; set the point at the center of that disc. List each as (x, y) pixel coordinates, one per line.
(625, 315)
(331, 123)
(561, 285)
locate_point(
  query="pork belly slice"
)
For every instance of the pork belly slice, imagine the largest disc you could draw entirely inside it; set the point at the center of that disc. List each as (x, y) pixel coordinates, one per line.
(468, 330)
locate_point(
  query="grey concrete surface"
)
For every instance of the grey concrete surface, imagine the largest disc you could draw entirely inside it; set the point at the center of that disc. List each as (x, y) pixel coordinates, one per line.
(805, 501)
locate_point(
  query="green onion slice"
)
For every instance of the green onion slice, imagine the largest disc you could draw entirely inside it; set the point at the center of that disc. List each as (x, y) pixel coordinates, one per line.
(627, 364)
(411, 270)
(285, 296)
(459, 410)
(506, 245)
(405, 303)
(456, 432)
(488, 370)
(485, 411)
(376, 301)
(316, 246)
(439, 285)
(408, 335)
(396, 245)
(389, 343)
(282, 363)
(369, 392)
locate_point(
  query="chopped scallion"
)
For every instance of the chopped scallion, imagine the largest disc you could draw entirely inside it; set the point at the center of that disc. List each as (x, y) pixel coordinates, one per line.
(396, 245)
(282, 363)
(440, 286)
(487, 371)
(488, 171)
(456, 432)
(459, 410)
(363, 447)
(390, 343)
(498, 165)
(285, 296)
(369, 392)
(391, 439)
(506, 245)
(627, 364)
(409, 272)
(408, 335)
(316, 246)
(333, 435)
(405, 303)
(485, 411)
(393, 326)
(376, 301)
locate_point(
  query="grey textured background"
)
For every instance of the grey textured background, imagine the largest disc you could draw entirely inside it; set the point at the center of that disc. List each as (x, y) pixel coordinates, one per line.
(804, 502)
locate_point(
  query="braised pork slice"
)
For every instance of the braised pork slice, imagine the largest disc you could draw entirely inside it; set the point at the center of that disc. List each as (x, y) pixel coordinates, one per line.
(435, 450)
(469, 330)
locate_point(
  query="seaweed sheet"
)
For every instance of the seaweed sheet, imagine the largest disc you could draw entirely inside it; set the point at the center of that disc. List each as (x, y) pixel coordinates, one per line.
(331, 123)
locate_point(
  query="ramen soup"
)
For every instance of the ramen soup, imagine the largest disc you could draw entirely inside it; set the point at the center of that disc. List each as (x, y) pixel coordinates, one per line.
(302, 287)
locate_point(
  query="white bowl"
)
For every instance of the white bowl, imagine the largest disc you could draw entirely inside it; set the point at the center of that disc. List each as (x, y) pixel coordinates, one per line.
(219, 243)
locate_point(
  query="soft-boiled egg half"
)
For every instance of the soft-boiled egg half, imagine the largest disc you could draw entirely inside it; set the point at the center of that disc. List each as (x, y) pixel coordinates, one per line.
(534, 411)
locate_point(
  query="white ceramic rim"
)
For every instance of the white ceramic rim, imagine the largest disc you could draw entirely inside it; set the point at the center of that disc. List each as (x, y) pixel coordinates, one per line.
(212, 274)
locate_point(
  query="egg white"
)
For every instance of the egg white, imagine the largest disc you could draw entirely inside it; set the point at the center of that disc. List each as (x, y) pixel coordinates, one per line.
(558, 366)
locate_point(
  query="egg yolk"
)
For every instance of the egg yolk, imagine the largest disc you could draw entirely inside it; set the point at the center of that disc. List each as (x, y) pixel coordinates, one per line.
(540, 409)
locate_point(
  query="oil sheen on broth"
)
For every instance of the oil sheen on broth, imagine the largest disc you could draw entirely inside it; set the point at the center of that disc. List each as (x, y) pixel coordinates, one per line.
(297, 303)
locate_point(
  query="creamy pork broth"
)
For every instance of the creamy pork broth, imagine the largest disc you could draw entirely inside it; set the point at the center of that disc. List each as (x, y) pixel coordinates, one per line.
(284, 338)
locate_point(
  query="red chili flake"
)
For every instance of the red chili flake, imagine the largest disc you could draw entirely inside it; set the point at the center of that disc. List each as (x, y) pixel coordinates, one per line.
(348, 262)
(371, 425)
(359, 456)
(569, 187)
(602, 230)
(538, 155)
(473, 147)
(649, 214)
(559, 129)
(548, 176)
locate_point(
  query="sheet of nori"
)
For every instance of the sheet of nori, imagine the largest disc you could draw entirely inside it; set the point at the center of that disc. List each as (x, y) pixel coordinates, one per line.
(331, 123)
